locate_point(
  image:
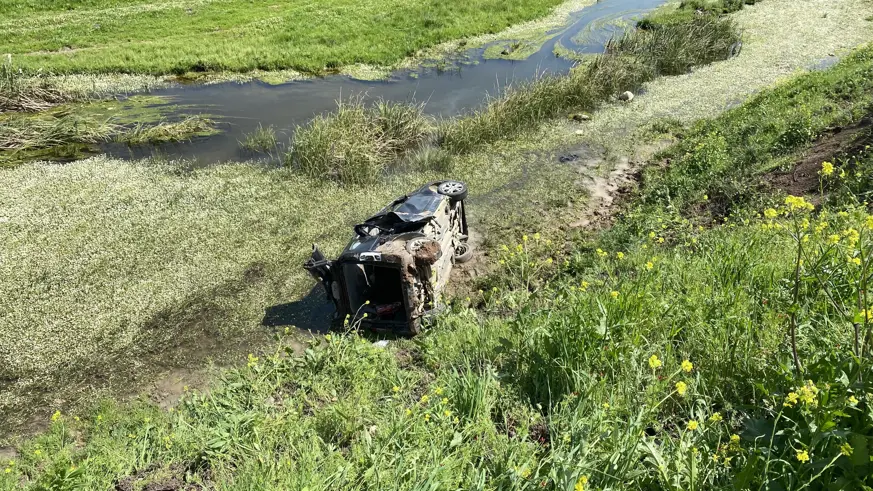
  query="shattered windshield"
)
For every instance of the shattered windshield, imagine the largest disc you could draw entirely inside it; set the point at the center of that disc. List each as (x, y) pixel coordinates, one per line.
(417, 206)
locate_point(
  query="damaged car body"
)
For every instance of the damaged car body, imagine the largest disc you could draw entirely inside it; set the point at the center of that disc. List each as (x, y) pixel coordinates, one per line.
(390, 275)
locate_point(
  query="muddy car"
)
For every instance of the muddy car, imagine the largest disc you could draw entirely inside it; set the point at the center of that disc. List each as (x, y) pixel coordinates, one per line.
(390, 275)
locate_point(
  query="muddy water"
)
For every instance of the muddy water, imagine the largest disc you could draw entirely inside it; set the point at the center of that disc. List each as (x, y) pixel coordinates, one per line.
(464, 87)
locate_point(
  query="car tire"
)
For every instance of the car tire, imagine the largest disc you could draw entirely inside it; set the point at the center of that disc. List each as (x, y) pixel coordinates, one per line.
(463, 253)
(456, 190)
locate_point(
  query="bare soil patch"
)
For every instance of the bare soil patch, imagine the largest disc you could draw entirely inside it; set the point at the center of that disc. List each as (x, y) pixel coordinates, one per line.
(803, 178)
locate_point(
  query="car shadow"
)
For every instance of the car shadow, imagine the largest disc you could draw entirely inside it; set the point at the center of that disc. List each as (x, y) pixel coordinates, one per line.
(313, 312)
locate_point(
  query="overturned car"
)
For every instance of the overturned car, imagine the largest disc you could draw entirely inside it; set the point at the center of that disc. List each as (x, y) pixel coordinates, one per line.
(390, 275)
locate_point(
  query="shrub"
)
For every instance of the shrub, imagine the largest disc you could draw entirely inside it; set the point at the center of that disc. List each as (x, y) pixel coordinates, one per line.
(357, 143)
(260, 140)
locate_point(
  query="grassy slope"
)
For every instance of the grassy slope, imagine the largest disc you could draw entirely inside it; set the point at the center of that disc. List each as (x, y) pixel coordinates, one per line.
(162, 265)
(173, 36)
(547, 378)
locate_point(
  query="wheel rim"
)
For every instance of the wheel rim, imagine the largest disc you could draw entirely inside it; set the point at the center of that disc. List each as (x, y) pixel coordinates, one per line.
(415, 245)
(451, 187)
(461, 249)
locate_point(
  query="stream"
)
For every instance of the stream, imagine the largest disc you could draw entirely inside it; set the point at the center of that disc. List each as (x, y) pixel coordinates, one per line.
(239, 108)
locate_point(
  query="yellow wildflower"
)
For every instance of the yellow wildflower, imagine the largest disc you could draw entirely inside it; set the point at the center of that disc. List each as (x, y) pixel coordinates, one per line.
(827, 168)
(395, 389)
(846, 449)
(715, 418)
(408, 411)
(438, 391)
(580, 484)
(771, 213)
(614, 294)
(803, 456)
(660, 240)
(687, 366)
(445, 400)
(692, 425)
(427, 417)
(833, 238)
(424, 398)
(649, 265)
(854, 260)
(870, 222)
(853, 401)
(808, 393)
(584, 286)
(735, 439)
(605, 405)
(447, 413)
(852, 236)
(681, 388)
(619, 255)
(651, 235)
(537, 236)
(790, 399)
(654, 362)
(56, 416)
(797, 203)
(253, 360)
(524, 238)
(602, 253)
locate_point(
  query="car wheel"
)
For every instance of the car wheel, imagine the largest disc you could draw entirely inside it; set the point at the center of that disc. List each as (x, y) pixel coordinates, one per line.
(415, 244)
(463, 253)
(456, 190)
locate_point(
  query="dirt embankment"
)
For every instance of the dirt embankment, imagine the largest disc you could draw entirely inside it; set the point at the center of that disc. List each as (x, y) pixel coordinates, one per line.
(803, 177)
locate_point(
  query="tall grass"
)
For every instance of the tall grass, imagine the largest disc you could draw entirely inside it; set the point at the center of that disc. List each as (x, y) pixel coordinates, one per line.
(32, 133)
(37, 133)
(629, 62)
(357, 143)
(260, 140)
(26, 93)
(166, 131)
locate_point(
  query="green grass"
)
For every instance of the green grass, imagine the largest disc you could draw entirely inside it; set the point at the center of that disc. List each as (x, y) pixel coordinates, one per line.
(261, 140)
(637, 58)
(167, 131)
(357, 143)
(20, 93)
(81, 128)
(720, 156)
(655, 357)
(178, 36)
(22, 134)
